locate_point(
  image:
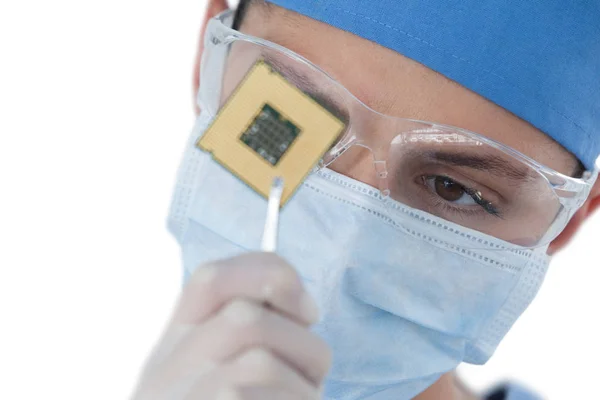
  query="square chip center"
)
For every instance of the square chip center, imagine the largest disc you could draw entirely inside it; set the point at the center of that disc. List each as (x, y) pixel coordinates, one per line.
(270, 134)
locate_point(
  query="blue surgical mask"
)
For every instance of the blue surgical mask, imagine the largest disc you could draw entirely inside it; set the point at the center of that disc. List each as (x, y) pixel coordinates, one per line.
(404, 297)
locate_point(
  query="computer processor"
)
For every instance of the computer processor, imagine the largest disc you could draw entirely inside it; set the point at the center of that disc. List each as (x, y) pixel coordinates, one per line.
(269, 128)
(270, 134)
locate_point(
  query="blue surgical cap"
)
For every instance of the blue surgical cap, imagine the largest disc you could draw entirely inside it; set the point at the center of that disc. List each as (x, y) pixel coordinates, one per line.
(539, 59)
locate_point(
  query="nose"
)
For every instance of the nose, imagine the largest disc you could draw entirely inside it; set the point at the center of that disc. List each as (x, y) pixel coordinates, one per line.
(358, 163)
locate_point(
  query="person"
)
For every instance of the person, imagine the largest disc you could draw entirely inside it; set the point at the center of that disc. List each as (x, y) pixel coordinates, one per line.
(415, 245)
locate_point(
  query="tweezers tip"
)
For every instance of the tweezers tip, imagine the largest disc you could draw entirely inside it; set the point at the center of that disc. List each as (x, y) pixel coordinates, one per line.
(278, 182)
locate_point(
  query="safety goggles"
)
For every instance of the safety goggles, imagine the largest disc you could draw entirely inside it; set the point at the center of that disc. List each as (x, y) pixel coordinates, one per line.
(451, 173)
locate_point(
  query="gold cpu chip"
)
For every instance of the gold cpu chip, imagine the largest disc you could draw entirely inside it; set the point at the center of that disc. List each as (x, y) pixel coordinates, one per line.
(270, 128)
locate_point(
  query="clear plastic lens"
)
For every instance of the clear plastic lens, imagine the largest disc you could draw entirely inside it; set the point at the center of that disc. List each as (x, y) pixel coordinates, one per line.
(313, 82)
(452, 174)
(471, 183)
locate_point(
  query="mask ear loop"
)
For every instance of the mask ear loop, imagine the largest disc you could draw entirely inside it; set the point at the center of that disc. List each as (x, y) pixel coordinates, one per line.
(269, 239)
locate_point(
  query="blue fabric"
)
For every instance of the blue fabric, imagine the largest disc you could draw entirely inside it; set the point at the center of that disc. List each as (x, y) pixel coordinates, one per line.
(539, 59)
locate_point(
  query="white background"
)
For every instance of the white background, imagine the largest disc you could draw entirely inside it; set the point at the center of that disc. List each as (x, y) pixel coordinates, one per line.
(95, 107)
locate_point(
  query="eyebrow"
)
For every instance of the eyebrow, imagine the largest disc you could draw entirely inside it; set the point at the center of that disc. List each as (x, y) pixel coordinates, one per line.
(488, 163)
(307, 86)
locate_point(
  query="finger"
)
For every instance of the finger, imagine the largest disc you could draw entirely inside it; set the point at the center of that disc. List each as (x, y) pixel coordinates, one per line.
(262, 367)
(256, 374)
(242, 325)
(260, 371)
(259, 393)
(263, 277)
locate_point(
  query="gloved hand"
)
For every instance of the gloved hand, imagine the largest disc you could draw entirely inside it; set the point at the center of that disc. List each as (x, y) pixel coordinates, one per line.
(240, 331)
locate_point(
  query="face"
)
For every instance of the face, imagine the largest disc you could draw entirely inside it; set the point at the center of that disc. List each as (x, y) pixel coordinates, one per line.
(392, 84)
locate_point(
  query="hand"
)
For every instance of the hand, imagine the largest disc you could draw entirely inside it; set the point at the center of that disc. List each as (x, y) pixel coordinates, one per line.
(240, 331)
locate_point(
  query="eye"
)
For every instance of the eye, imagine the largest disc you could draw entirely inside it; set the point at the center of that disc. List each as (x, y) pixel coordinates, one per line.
(450, 190)
(458, 195)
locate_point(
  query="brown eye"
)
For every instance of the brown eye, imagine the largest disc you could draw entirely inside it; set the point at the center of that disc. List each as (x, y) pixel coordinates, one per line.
(457, 194)
(447, 189)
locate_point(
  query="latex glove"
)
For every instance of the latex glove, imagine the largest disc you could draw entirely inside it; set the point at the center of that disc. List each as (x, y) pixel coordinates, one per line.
(239, 331)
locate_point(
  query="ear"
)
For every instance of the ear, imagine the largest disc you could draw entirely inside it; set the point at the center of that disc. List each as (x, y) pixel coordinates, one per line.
(213, 8)
(592, 204)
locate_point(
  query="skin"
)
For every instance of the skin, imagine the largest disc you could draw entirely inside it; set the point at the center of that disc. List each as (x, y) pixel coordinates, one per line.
(424, 95)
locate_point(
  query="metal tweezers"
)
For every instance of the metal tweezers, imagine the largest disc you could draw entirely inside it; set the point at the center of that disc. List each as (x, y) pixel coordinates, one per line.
(269, 239)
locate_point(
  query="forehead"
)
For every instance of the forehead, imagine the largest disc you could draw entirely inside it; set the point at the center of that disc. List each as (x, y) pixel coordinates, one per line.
(395, 85)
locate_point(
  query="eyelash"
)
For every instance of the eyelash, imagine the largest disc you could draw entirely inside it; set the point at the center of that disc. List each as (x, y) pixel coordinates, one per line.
(482, 202)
